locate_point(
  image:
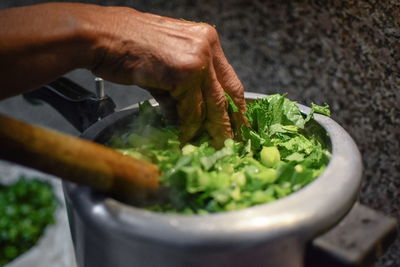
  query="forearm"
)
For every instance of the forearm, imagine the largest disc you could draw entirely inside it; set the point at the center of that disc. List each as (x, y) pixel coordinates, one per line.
(39, 43)
(180, 60)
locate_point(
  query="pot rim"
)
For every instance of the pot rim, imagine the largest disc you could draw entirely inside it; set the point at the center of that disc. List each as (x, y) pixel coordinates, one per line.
(302, 215)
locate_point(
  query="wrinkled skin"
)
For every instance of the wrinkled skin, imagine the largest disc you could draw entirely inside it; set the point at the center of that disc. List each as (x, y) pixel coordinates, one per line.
(180, 62)
(177, 61)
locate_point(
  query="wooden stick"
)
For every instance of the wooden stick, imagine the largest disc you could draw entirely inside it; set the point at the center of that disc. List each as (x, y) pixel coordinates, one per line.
(77, 160)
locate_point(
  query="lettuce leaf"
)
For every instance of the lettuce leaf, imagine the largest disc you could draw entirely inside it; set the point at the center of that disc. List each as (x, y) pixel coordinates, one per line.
(201, 179)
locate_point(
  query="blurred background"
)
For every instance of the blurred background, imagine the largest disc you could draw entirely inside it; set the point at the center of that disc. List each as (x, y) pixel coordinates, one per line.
(345, 53)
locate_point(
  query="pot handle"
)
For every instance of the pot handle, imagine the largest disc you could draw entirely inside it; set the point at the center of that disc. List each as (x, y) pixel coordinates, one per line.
(359, 239)
(79, 106)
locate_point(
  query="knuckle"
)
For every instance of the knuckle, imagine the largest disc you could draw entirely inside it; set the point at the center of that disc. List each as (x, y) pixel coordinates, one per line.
(190, 68)
(209, 32)
(184, 69)
(193, 63)
(218, 105)
(205, 32)
(199, 54)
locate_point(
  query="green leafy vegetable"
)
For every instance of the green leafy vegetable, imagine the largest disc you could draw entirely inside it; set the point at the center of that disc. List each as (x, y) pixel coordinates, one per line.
(26, 208)
(232, 106)
(278, 155)
(324, 110)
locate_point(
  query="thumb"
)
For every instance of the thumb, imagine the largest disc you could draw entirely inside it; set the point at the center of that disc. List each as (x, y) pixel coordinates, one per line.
(167, 105)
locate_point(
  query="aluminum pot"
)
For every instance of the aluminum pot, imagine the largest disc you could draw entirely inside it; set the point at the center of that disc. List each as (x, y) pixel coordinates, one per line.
(109, 233)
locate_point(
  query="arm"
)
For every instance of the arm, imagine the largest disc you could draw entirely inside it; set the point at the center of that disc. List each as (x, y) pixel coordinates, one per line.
(179, 62)
(39, 43)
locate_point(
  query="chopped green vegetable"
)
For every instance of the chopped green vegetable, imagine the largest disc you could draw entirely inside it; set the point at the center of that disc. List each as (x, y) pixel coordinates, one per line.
(26, 208)
(324, 110)
(270, 156)
(232, 106)
(279, 154)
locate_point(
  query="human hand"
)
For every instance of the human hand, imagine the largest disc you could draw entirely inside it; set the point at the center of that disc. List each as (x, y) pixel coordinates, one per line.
(180, 62)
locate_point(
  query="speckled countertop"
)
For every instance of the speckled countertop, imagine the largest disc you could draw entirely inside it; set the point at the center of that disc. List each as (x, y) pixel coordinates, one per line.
(345, 53)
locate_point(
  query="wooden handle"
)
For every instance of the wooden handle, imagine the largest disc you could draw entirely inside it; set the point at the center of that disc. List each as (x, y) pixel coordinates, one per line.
(77, 160)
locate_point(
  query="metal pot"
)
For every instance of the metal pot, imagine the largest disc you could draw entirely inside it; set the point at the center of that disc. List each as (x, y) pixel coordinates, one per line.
(107, 232)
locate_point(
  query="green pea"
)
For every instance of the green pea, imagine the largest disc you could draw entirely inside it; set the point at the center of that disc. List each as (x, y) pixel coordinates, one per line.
(270, 156)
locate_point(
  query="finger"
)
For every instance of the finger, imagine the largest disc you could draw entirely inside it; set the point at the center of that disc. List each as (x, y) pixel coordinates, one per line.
(217, 119)
(191, 113)
(232, 86)
(187, 108)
